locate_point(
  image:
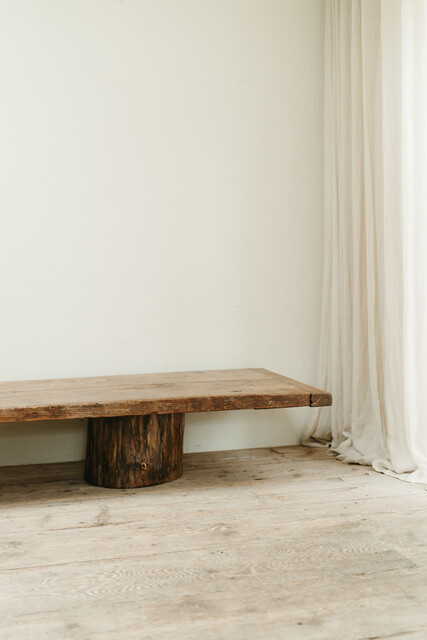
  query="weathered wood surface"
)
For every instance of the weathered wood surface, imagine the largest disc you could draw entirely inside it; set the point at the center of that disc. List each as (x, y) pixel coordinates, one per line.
(134, 451)
(181, 392)
(247, 545)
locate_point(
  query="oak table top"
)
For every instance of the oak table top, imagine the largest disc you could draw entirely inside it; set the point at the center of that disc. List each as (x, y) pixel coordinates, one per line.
(158, 393)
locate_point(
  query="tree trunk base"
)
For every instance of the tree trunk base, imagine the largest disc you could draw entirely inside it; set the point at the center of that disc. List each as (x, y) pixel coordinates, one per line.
(134, 451)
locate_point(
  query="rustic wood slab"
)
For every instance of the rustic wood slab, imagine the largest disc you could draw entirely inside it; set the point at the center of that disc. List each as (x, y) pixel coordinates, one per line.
(136, 422)
(160, 393)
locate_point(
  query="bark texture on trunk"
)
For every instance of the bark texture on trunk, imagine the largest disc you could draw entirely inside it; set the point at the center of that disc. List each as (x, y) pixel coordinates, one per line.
(134, 451)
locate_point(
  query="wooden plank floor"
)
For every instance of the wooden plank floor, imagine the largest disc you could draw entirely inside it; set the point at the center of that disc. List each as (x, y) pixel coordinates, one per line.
(261, 544)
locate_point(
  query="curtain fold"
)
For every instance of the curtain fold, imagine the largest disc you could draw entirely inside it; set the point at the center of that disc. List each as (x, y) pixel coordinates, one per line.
(373, 355)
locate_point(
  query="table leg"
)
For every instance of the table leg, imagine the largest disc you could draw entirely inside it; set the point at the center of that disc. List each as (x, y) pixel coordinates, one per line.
(134, 451)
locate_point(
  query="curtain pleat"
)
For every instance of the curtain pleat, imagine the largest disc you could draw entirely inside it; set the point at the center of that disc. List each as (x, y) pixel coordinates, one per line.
(373, 354)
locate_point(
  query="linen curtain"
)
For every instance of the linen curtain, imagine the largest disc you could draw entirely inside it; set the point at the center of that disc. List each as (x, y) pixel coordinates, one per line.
(374, 327)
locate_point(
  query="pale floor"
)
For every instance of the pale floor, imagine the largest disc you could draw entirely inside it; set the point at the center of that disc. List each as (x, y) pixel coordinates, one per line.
(264, 544)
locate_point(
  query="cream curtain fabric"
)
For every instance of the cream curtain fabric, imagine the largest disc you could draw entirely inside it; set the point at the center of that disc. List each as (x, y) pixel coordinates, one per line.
(374, 327)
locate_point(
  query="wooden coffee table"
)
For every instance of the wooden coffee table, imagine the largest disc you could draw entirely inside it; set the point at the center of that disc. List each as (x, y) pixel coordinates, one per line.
(136, 422)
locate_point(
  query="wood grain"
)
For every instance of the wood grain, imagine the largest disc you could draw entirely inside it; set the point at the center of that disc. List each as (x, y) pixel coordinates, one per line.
(134, 451)
(180, 392)
(246, 545)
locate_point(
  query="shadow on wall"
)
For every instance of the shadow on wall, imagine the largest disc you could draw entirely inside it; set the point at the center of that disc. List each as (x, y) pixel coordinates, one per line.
(39, 442)
(65, 440)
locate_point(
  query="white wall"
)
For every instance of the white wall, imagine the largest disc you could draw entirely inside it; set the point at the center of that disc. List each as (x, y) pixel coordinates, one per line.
(161, 190)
